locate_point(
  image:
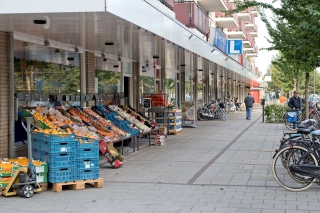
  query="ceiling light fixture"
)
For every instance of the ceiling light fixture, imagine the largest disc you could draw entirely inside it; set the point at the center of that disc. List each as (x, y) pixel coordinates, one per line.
(70, 58)
(105, 60)
(46, 42)
(190, 37)
(213, 50)
(200, 70)
(182, 65)
(221, 76)
(76, 50)
(39, 21)
(226, 59)
(57, 51)
(115, 66)
(108, 43)
(212, 73)
(155, 56)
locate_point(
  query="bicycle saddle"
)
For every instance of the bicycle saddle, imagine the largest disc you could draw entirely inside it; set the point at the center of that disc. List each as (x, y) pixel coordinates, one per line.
(316, 133)
(307, 123)
(305, 130)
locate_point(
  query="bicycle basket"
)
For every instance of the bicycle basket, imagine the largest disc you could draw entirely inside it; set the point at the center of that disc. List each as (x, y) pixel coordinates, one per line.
(222, 105)
(292, 117)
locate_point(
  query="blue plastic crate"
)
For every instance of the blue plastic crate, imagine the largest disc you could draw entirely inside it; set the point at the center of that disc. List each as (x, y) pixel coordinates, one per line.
(171, 120)
(36, 143)
(178, 126)
(64, 174)
(59, 147)
(132, 130)
(171, 127)
(87, 153)
(86, 174)
(87, 143)
(114, 118)
(37, 154)
(59, 160)
(159, 114)
(56, 138)
(160, 121)
(171, 114)
(92, 163)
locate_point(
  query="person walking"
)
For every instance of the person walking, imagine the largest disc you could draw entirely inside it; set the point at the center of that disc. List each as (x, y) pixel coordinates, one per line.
(248, 101)
(295, 103)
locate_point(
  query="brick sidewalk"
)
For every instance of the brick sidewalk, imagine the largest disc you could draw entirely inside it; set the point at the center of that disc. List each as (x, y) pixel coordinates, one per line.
(217, 167)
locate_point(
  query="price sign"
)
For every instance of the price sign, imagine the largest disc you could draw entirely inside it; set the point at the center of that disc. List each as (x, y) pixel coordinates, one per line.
(83, 97)
(20, 96)
(66, 97)
(59, 97)
(72, 98)
(44, 97)
(36, 97)
(146, 103)
(28, 97)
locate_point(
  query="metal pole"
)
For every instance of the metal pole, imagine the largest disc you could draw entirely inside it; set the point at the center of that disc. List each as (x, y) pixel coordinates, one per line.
(83, 83)
(11, 98)
(29, 140)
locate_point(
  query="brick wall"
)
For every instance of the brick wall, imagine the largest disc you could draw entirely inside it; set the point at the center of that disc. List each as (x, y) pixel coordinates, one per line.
(4, 94)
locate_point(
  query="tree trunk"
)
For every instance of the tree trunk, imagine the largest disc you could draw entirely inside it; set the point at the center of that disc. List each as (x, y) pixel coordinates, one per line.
(307, 94)
(297, 80)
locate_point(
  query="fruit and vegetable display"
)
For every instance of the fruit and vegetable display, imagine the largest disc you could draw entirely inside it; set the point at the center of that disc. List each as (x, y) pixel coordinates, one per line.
(9, 166)
(157, 99)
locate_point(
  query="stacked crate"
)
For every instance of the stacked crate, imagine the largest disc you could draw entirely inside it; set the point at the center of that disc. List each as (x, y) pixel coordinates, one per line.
(59, 152)
(7, 170)
(87, 159)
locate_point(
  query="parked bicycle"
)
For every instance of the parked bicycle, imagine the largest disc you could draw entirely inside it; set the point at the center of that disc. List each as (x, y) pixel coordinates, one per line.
(313, 114)
(295, 163)
(213, 110)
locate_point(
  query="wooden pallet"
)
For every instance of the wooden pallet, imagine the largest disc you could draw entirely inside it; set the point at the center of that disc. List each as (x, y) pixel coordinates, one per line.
(44, 186)
(78, 185)
(174, 132)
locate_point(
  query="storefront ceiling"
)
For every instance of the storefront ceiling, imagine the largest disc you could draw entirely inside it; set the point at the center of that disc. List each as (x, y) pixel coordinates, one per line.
(101, 27)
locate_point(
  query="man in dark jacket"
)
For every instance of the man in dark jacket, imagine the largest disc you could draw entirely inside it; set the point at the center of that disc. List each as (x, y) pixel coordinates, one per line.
(295, 103)
(248, 101)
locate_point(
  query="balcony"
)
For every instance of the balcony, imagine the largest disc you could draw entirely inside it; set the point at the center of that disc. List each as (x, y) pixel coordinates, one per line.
(236, 35)
(226, 22)
(168, 3)
(249, 50)
(199, 20)
(252, 54)
(249, 26)
(254, 34)
(255, 13)
(246, 44)
(244, 16)
(213, 5)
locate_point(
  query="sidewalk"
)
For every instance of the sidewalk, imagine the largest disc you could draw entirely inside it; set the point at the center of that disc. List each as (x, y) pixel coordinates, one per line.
(216, 167)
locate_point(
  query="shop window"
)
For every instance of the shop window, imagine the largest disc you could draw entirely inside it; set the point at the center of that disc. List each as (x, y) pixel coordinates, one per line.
(108, 81)
(188, 88)
(171, 91)
(43, 77)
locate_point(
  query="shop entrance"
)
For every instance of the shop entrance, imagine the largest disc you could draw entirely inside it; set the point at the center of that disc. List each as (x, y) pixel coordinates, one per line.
(126, 90)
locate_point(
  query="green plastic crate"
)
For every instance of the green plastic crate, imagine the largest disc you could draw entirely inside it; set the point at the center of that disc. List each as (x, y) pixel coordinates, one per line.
(4, 184)
(42, 178)
(9, 174)
(43, 168)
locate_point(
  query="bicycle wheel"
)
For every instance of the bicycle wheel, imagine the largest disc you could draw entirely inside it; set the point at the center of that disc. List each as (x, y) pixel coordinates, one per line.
(222, 116)
(295, 155)
(286, 123)
(281, 172)
(200, 115)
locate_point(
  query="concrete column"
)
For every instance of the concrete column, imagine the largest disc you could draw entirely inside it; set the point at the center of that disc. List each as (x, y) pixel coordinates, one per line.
(4, 94)
(215, 83)
(90, 75)
(195, 81)
(135, 86)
